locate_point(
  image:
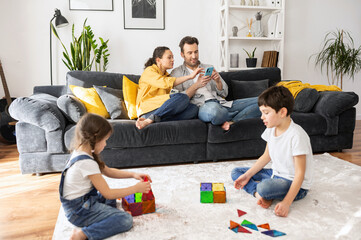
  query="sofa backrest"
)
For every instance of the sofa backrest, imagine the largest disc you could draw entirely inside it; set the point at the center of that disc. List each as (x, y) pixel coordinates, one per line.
(89, 78)
(272, 74)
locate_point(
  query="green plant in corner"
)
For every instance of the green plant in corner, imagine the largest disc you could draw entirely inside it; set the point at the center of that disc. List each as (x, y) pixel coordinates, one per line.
(338, 56)
(84, 51)
(250, 54)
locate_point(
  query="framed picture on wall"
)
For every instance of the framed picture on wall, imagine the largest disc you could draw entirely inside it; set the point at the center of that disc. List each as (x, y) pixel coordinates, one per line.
(91, 5)
(143, 14)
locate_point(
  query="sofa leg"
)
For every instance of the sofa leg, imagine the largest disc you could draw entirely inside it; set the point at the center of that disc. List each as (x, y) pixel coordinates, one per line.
(339, 150)
(38, 174)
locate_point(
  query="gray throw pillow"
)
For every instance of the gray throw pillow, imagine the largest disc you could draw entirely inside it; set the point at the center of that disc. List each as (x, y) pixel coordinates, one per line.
(305, 100)
(247, 89)
(71, 107)
(333, 103)
(113, 102)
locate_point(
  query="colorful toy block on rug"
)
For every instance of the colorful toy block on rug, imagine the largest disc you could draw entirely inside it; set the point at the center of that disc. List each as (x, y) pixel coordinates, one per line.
(240, 212)
(213, 193)
(139, 203)
(248, 224)
(274, 233)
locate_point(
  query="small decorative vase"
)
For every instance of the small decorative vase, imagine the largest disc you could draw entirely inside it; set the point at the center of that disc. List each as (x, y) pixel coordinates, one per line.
(258, 27)
(249, 33)
(234, 60)
(251, 62)
(256, 3)
(250, 2)
(243, 2)
(235, 31)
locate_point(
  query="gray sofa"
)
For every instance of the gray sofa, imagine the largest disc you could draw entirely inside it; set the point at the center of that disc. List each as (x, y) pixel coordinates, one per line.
(46, 125)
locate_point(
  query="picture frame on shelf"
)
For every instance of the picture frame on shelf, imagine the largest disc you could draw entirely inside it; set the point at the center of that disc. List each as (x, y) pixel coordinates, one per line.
(144, 14)
(91, 5)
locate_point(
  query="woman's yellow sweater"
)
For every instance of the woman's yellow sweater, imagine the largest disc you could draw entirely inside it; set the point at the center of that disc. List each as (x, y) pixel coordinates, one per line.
(153, 90)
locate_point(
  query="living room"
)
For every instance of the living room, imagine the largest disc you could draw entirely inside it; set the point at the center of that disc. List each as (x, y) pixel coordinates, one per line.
(25, 59)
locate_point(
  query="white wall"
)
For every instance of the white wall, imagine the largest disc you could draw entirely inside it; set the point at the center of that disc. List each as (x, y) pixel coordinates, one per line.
(24, 37)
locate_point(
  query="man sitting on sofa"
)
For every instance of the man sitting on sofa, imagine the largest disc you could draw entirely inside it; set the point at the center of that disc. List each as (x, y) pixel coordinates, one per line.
(210, 98)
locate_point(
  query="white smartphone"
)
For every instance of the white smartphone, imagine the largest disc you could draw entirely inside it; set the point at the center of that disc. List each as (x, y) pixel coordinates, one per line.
(208, 71)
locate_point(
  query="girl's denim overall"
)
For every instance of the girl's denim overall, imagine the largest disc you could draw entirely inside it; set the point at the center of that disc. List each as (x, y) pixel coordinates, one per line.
(99, 218)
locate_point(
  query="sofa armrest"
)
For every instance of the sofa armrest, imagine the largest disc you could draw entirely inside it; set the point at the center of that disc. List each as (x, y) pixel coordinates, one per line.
(331, 104)
(40, 110)
(55, 91)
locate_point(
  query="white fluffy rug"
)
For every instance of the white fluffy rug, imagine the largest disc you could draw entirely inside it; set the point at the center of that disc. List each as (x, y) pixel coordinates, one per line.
(331, 210)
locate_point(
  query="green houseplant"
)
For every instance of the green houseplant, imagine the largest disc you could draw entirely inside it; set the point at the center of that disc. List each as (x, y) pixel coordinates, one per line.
(338, 57)
(84, 51)
(251, 61)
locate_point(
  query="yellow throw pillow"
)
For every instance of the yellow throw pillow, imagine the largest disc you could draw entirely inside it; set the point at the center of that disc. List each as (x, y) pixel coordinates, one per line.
(90, 98)
(130, 90)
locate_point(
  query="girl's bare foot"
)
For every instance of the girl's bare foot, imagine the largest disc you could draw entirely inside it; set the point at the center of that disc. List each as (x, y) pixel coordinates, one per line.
(78, 234)
(142, 122)
(226, 125)
(263, 202)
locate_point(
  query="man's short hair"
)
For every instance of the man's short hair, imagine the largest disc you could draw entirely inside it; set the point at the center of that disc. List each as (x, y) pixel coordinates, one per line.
(277, 97)
(187, 40)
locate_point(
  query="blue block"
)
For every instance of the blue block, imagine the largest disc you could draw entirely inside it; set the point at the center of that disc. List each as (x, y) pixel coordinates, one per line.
(206, 186)
(130, 198)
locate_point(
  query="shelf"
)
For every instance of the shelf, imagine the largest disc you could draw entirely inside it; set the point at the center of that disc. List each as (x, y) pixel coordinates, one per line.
(256, 8)
(255, 38)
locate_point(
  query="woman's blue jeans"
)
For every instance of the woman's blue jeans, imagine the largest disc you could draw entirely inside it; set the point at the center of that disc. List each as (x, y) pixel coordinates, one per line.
(267, 187)
(212, 111)
(177, 107)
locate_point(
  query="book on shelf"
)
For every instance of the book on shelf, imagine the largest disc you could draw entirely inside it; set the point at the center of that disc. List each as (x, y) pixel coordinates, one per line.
(270, 59)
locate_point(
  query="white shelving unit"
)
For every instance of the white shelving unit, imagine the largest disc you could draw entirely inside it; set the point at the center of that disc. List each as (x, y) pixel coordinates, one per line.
(233, 14)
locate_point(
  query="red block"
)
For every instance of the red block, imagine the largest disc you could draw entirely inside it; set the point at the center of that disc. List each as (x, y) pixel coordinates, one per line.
(135, 208)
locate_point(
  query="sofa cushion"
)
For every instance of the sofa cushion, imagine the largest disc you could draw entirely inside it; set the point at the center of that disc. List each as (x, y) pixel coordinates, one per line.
(332, 103)
(126, 135)
(71, 107)
(90, 98)
(113, 101)
(130, 90)
(305, 100)
(40, 110)
(247, 89)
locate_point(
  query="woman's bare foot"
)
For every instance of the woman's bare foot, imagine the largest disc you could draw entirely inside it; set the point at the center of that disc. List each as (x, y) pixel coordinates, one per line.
(142, 122)
(78, 234)
(226, 125)
(263, 202)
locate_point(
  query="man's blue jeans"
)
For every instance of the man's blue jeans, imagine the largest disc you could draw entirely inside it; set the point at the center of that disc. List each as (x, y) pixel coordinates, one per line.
(212, 111)
(177, 107)
(267, 187)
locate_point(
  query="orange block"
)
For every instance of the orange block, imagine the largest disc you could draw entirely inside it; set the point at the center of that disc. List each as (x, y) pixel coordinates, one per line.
(233, 224)
(149, 206)
(265, 226)
(219, 197)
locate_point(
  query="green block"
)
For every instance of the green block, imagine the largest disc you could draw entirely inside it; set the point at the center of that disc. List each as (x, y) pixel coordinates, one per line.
(138, 197)
(206, 196)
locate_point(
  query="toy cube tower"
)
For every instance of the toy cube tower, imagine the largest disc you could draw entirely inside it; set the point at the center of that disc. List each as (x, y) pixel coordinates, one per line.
(213, 193)
(139, 203)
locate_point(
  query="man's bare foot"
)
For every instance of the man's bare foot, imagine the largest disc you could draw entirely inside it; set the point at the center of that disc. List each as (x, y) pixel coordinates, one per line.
(263, 202)
(142, 122)
(78, 234)
(226, 125)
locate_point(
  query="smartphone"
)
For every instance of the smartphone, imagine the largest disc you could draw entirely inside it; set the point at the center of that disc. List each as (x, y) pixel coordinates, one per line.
(208, 71)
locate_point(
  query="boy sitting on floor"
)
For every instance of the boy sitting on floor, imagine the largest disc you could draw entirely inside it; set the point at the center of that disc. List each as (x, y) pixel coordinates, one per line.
(289, 149)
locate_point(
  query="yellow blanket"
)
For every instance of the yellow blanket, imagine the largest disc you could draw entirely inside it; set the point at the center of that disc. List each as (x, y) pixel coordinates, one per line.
(296, 86)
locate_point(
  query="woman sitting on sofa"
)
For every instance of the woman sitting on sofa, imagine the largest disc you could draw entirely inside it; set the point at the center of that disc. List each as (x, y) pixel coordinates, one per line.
(155, 103)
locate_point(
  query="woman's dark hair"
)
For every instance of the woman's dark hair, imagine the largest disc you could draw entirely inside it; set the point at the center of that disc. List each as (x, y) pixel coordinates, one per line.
(157, 53)
(91, 129)
(187, 40)
(277, 97)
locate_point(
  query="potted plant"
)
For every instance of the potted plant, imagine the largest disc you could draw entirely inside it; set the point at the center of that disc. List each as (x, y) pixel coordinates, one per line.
(251, 61)
(84, 51)
(339, 57)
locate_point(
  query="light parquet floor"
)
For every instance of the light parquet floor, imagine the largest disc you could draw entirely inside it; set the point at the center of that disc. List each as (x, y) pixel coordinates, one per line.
(29, 204)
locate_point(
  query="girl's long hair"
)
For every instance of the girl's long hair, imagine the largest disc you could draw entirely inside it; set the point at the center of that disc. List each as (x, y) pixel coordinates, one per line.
(91, 129)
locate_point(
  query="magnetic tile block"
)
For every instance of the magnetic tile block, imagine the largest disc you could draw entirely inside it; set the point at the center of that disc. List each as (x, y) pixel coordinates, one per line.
(265, 226)
(138, 197)
(233, 224)
(274, 233)
(234, 229)
(248, 224)
(206, 197)
(147, 196)
(148, 206)
(219, 197)
(130, 198)
(206, 186)
(240, 212)
(243, 230)
(217, 187)
(136, 208)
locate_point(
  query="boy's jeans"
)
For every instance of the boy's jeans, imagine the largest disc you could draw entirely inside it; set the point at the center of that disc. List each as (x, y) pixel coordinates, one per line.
(177, 107)
(212, 111)
(267, 187)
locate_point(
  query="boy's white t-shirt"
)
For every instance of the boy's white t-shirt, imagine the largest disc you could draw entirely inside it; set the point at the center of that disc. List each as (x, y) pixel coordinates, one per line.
(293, 142)
(76, 181)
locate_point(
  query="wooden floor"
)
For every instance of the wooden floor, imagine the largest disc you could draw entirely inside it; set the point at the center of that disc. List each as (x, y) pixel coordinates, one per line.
(29, 204)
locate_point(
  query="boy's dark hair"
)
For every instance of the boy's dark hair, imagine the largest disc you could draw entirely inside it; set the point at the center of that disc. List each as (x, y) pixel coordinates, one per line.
(187, 40)
(277, 97)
